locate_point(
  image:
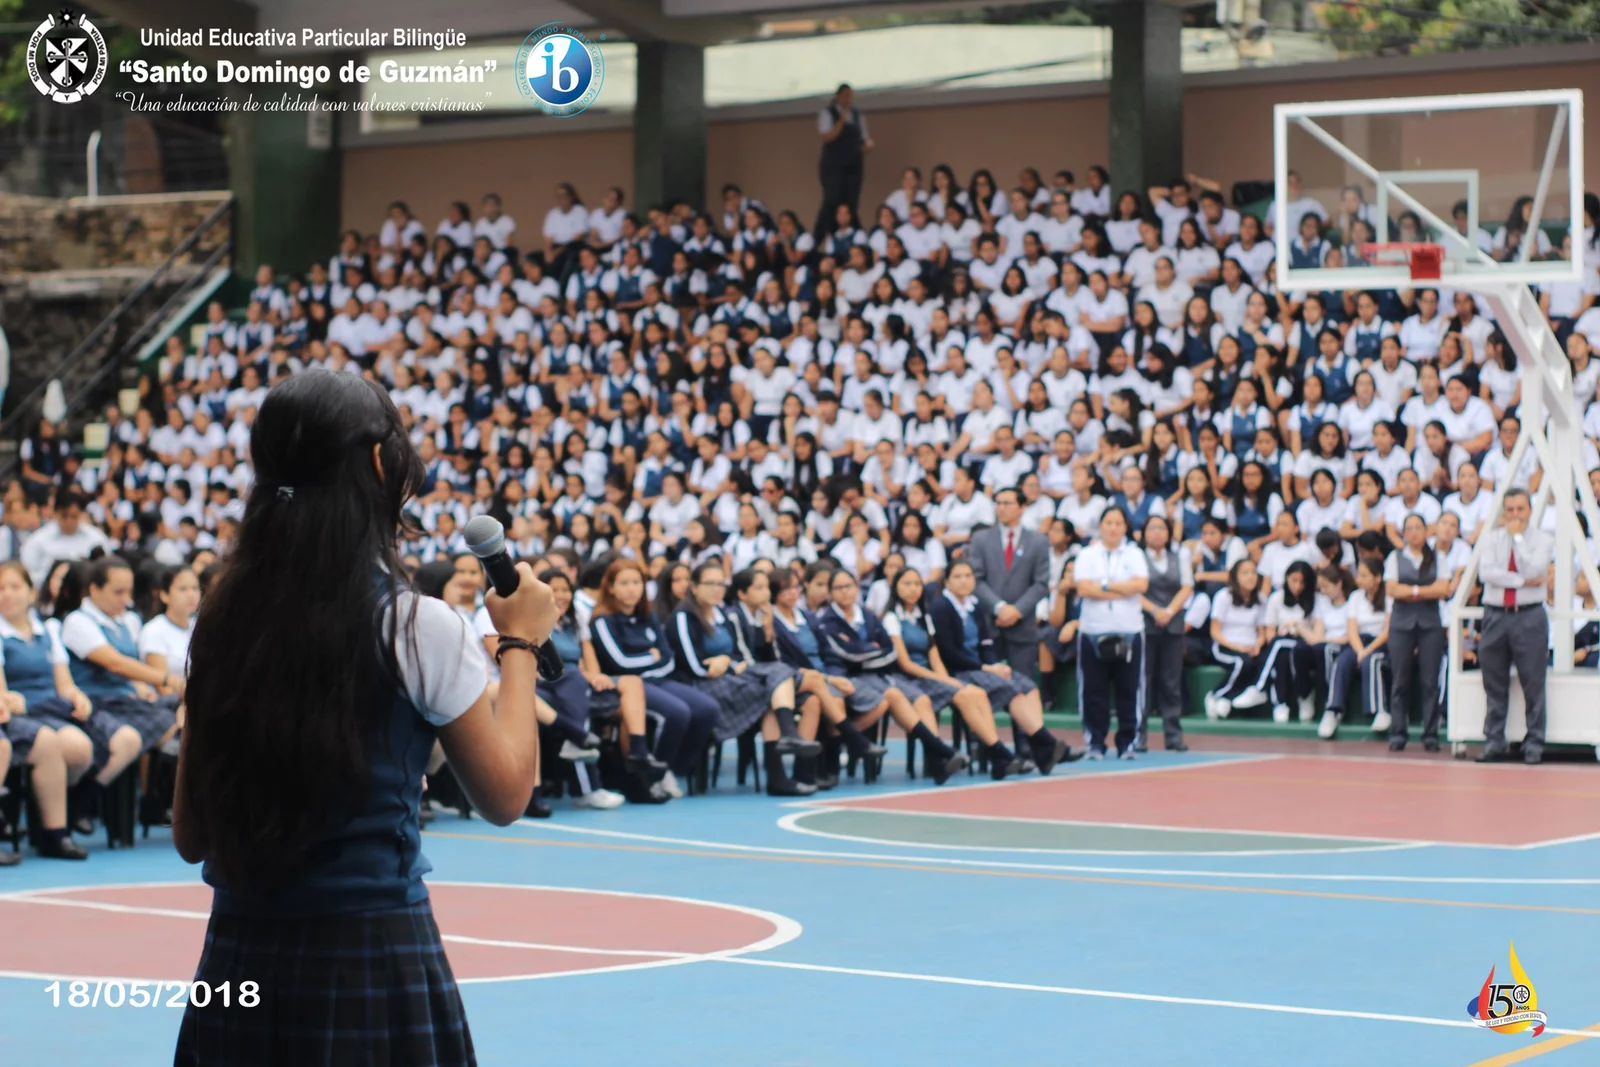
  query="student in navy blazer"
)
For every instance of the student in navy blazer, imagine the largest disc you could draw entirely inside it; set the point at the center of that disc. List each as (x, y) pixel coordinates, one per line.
(964, 635)
(854, 643)
(797, 641)
(628, 639)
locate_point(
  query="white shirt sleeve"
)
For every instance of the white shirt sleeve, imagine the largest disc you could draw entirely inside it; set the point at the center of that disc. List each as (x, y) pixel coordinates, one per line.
(80, 635)
(444, 669)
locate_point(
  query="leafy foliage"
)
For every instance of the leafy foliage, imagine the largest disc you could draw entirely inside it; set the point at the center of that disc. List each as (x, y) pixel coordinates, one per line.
(1420, 26)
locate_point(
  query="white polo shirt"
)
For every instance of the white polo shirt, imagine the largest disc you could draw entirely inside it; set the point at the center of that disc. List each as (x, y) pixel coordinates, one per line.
(1124, 615)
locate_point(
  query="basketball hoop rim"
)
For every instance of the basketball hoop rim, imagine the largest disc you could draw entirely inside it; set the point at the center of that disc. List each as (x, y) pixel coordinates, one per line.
(1424, 258)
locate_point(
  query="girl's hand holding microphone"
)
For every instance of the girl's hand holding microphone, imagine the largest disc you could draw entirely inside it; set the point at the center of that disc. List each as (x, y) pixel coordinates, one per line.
(529, 613)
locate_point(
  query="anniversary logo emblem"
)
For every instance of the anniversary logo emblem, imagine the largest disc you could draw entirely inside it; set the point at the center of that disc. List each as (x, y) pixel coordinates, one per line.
(67, 57)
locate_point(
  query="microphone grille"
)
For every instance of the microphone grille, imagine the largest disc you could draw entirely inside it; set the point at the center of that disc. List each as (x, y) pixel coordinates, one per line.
(484, 536)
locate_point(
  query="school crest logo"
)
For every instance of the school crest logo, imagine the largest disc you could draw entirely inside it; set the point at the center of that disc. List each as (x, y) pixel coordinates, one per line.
(67, 57)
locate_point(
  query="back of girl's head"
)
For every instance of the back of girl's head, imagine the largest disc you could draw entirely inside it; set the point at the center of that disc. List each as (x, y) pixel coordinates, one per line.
(431, 578)
(594, 572)
(287, 655)
(74, 585)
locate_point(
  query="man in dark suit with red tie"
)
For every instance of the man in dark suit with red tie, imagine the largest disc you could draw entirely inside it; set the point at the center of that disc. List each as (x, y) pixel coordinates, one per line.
(1012, 566)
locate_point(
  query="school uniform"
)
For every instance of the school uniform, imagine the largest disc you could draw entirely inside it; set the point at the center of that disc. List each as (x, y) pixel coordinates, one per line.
(638, 645)
(916, 629)
(966, 641)
(858, 647)
(347, 955)
(29, 663)
(758, 652)
(1241, 625)
(163, 636)
(1345, 673)
(1289, 669)
(112, 695)
(742, 699)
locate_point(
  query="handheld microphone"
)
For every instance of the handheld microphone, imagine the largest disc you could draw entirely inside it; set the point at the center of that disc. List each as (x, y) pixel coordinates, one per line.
(486, 539)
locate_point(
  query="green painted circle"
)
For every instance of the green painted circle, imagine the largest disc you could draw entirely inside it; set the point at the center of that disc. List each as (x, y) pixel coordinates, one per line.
(960, 831)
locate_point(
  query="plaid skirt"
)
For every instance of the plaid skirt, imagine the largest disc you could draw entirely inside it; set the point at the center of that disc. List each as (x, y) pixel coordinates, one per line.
(938, 691)
(1000, 691)
(742, 699)
(367, 989)
(20, 730)
(872, 688)
(775, 674)
(110, 714)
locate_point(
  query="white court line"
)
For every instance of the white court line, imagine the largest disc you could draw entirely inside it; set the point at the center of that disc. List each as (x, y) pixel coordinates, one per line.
(791, 823)
(1148, 998)
(784, 929)
(1062, 868)
(1076, 776)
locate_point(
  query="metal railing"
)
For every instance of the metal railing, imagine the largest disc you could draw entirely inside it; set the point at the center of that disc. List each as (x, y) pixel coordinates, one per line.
(15, 425)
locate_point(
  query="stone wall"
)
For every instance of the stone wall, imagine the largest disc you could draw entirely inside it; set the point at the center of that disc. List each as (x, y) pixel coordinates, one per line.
(39, 235)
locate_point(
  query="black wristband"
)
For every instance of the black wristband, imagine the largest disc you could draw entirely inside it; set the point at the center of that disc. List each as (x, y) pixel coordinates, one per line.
(506, 644)
(548, 659)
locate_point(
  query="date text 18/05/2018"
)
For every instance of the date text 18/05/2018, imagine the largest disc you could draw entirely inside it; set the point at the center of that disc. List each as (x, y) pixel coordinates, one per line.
(103, 993)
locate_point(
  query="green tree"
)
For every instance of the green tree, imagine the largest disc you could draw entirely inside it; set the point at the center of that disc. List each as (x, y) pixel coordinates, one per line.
(1417, 26)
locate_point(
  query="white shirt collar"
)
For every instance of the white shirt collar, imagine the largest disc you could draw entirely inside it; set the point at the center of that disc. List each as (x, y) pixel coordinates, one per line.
(7, 630)
(963, 604)
(859, 618)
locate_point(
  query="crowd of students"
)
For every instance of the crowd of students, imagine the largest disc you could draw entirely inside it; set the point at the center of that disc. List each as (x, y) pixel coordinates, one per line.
(753, 458)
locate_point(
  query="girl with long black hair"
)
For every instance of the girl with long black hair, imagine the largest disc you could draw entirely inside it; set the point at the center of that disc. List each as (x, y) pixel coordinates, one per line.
(308, 646)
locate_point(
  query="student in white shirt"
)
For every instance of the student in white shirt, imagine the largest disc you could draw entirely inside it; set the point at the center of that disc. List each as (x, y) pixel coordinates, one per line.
(1239, 639)
(1290, 668)
(164, 640)
(1362, 657)
(565, 228)
(494, 223)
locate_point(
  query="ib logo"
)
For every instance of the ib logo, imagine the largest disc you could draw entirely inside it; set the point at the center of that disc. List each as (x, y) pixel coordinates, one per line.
(560, 69)
(1508, 1007)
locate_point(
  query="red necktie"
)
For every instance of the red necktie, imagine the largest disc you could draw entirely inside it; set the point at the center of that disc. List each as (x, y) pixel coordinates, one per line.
(1511, 594)
(1011, 548)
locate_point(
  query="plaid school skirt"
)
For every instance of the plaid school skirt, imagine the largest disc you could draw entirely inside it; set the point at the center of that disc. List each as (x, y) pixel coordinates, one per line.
(871, 689)
(367, 989)
(938, 691)
(1000, 691)
(742, 699)
(20, 730)
(110, 714)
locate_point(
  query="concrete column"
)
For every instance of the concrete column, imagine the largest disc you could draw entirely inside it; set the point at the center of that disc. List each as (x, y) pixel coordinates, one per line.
(284, 170)
(669, 125)
(1146, 94)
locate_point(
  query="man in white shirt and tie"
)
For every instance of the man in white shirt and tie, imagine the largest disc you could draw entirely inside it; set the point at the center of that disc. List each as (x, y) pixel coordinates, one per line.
(1516, 629)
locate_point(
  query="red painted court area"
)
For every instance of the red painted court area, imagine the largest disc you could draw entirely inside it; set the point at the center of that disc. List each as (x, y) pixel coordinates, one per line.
(491, 932)
(1401, 800)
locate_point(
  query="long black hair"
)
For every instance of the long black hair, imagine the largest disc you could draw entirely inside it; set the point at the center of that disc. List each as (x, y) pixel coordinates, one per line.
(289, 656)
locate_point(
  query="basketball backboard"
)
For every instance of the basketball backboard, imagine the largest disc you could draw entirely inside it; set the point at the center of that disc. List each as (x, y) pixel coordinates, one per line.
(1437, 170)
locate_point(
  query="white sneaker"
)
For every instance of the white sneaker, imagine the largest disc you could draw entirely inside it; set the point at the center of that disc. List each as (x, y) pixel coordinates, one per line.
(1280, 713)
(600, 800)
(669, 782)
(1223, 706)
(1211, 705)
(578, 754)
(1380, 723)
(1308, 708)
(1329, 724)
(1250, 698)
